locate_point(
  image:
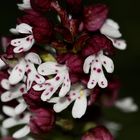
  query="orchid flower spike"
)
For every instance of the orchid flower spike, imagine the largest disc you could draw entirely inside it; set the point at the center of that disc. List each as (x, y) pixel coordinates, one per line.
(94, 64)
(78, 94)
(26, 65)
(111, 30)
(26, 5)
(14, 120)
(22, 44)
(61, 79)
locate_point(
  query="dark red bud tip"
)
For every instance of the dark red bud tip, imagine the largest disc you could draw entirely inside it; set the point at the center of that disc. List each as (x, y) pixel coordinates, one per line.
(41, 5)
(95, 16)
(42, 121)
(98, 133)
(97, 43)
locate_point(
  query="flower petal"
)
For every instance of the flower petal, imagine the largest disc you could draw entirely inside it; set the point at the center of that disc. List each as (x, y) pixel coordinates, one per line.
(112, 23)
(79, 107)
(25, 5)
(62, 104)
(40, 87)
(107, 63)
(22, 132)
(119, 43)
(8, 123)
(24, 28)
(33, 58)
(94, 74)
(87, 63)
(23, 44)
(53, 85)
(20, 108)
(13, 93)
(102, 82)
(5, 84)
(17, 73)
(65, 86)
(9, 111)
(48, 68)
(110, 29)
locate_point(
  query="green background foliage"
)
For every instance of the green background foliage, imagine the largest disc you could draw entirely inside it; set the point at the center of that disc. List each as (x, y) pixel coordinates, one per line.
(127, 65)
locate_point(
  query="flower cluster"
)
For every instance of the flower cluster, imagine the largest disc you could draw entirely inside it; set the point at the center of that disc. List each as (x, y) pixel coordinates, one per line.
(55, 57)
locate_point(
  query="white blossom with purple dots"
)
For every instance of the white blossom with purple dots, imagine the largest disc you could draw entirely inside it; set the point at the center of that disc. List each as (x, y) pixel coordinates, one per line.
(15, 120)
(51, 85)
(78, 94)
(26, 66)
(22, 44)
(94, 64)
(111, 29)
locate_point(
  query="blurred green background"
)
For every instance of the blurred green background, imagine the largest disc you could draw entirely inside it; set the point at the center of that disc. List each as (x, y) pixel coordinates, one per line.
(127, 66)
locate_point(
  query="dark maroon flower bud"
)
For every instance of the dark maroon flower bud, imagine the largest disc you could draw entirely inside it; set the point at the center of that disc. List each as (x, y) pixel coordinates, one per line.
(29, 18)
(73, 62)
(41, 5)
(42, 35)
(32, 95)
(9, 54)
(42, 121)
(94, 16)
(42, 28)
(98, 133)
(97, 43)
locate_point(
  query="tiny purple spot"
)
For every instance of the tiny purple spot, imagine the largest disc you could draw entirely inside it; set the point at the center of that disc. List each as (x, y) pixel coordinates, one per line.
(57, 78)
(98, 70)
(37, 77)
(102, 83)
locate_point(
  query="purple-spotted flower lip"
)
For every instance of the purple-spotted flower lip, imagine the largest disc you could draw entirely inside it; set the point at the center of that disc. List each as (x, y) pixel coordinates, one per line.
(93, 64)
(22, 44)
(26, 66)
(61, 79)
(78, 94)
(111, 29)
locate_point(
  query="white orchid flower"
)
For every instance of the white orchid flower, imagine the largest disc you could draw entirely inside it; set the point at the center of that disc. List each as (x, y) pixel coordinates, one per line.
(111, 29)
(12, 92)
(78, 95)
(14, 120)
(26, 5)
(22, 44)
(93, 64)
(126, 105)
(26, 65)
(61, 79)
